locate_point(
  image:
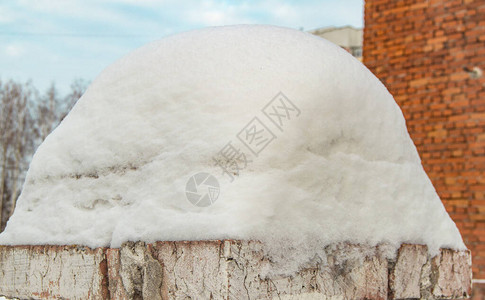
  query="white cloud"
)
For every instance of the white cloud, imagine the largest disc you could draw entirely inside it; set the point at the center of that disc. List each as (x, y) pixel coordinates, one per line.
(216, 13)
(7, 15)
(13, 50)
(147, 20)
(75, 9)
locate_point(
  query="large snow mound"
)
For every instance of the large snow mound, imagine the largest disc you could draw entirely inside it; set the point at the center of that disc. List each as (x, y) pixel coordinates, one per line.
(315, 148)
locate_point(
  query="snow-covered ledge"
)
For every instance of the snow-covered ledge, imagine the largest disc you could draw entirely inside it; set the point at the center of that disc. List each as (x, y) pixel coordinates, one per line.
(228, 269)
(301, 146)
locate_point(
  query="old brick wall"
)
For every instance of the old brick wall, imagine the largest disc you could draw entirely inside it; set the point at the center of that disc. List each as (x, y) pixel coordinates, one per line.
(423, 51)
(229, 269)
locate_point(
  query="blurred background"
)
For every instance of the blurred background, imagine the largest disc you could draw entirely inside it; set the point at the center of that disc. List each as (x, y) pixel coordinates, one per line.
(430, 55)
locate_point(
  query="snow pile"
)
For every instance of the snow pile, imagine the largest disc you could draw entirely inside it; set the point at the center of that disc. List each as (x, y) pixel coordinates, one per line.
(315, 148)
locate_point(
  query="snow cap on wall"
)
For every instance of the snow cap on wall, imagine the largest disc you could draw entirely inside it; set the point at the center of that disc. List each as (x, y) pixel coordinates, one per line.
(291, 141)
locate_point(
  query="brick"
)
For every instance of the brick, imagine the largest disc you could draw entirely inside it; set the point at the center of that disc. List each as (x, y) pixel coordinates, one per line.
(53, 272)
(405, 278)
(454, 276)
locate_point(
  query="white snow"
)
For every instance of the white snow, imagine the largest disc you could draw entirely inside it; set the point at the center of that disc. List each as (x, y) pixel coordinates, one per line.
(343, 170)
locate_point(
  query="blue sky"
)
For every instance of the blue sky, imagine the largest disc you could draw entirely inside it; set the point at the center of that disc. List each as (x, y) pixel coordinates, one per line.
(60, 40)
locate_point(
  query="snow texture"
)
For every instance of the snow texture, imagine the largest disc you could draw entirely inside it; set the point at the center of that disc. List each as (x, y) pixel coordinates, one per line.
(339, 166)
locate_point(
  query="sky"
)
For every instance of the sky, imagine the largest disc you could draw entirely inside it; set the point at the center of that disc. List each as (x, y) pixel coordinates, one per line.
(60, 40)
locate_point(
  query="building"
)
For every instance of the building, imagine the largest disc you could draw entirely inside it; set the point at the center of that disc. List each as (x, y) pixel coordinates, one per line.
(430, 55)
(347, 37)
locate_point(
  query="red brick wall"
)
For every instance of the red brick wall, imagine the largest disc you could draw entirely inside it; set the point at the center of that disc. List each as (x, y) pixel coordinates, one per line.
(478, 292)
(420, 49)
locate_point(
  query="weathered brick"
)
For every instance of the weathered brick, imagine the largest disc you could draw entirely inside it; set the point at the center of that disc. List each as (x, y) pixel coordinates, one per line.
(228, 269)
(53, 272)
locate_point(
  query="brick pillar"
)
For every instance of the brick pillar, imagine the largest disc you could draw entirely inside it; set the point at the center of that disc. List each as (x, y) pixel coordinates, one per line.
(425, 53)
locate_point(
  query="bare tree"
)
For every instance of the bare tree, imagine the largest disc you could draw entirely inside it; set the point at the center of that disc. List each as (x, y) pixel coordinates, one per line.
(24, 137)
(47, 111)
(6, 135)
(25, 121)
(78, 87)
(17, 138)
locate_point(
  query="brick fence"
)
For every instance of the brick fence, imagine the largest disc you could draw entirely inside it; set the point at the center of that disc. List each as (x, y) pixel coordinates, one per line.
(429, 55)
